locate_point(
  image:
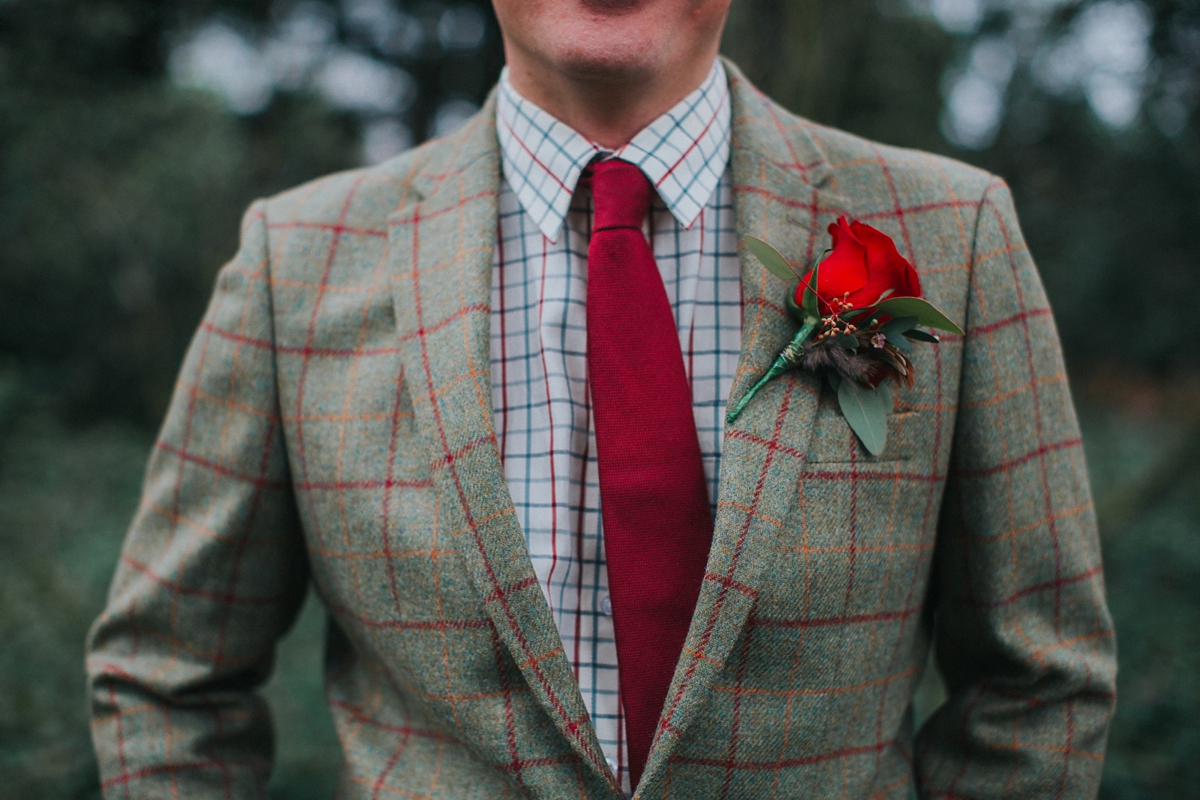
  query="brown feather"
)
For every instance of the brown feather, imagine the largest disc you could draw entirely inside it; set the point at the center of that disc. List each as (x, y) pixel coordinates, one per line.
(870, 365)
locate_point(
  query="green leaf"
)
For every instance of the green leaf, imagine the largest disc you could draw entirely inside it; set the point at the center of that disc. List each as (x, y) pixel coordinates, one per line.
(847, 342)
(885, 393)
(898, 340)
(867, 322)
(776, 264)
(866, 410)
(918, 335)
(923, 310)
(897, 326)
(811, 308)
(790, 302)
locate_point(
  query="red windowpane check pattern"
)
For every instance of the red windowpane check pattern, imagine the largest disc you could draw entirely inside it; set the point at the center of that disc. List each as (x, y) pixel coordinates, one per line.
(333, 421)
(543, 413)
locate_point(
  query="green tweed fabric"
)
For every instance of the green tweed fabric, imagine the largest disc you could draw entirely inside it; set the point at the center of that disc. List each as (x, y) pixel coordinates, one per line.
(333, 423)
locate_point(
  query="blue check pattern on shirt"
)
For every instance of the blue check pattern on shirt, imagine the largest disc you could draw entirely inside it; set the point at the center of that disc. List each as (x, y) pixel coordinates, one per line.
(539, 345)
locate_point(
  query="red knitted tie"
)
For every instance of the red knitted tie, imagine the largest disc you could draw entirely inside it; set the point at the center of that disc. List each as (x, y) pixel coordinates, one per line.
(657, 522)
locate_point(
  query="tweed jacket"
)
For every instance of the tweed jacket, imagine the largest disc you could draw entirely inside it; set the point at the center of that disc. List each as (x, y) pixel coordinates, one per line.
(333, 423)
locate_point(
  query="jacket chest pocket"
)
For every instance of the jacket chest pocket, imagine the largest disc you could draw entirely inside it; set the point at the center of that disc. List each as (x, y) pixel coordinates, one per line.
(861, 534)
(833, 441)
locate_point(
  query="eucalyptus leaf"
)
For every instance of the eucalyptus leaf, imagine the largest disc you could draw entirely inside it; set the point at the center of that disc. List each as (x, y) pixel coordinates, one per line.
(847, 342)
(867, 322)
(898, 340)
(898, 326)
(790, 302)
(811, 307)
(866, 411)
(923, 310)
(885, 394)
(776, 264)
(918, 335)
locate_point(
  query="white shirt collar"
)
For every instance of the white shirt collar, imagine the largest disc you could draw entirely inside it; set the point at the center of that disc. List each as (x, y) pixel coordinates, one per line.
(684, 152)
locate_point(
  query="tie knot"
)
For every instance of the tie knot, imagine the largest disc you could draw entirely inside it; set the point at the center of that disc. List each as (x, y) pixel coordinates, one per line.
(621, 194)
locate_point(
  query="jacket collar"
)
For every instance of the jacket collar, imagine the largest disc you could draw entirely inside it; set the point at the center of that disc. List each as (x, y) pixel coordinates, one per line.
(441, 243)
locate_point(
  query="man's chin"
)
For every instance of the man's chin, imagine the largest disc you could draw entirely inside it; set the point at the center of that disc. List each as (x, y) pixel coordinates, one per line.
(626, 63)
(614, 7)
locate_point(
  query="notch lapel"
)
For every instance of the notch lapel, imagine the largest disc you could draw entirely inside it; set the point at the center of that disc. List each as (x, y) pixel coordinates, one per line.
(441, 252)
(781, 194)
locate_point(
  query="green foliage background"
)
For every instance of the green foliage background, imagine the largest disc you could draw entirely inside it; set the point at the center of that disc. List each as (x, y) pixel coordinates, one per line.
(120, 194)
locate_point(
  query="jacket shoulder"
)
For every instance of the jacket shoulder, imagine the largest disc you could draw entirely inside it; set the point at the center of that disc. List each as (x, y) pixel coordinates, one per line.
(357, 198)
(352, 207)
(873, 178)
(335, 228)
(865, 172)
(908, 177)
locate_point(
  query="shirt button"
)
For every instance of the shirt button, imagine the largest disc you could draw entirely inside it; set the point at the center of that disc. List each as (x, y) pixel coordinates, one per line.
(612, 765)
(606, 605)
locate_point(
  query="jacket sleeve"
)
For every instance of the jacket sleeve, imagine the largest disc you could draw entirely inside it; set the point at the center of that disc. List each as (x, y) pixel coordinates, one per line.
(213, 570)
(1023, 637)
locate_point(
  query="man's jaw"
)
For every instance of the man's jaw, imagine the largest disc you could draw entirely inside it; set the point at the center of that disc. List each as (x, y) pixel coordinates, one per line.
(612, 7)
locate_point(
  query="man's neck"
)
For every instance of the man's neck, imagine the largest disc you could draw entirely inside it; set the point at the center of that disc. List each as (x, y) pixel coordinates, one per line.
(607, 110)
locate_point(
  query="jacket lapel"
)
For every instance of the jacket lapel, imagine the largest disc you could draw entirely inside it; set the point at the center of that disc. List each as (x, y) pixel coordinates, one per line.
(441, 243)
(781, 194)
(441, 250)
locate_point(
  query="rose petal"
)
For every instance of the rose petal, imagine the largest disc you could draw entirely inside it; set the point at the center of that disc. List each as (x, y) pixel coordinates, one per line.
(845, 269)
(885, 263)
(871, 291)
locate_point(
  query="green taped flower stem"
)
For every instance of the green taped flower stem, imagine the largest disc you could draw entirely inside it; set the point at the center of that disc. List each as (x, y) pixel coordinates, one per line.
(787, 358)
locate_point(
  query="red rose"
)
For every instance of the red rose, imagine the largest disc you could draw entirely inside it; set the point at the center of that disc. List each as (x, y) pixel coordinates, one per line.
(863, 265)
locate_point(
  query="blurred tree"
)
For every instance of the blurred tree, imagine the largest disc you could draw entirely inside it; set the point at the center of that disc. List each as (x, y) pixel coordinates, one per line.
(121, 190)
(851, 64)
(120, 196)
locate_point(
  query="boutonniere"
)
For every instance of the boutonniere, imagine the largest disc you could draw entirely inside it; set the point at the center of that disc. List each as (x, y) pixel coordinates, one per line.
(859, 309)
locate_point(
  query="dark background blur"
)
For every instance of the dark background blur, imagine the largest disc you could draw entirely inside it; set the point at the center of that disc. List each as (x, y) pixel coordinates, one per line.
(134, 133)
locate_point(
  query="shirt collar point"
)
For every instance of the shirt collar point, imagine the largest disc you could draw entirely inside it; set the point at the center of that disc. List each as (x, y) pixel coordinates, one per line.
(552, 229)
(686, 216)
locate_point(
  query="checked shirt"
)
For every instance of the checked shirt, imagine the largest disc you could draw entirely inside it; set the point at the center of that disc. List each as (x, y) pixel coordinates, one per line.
(540, 390)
